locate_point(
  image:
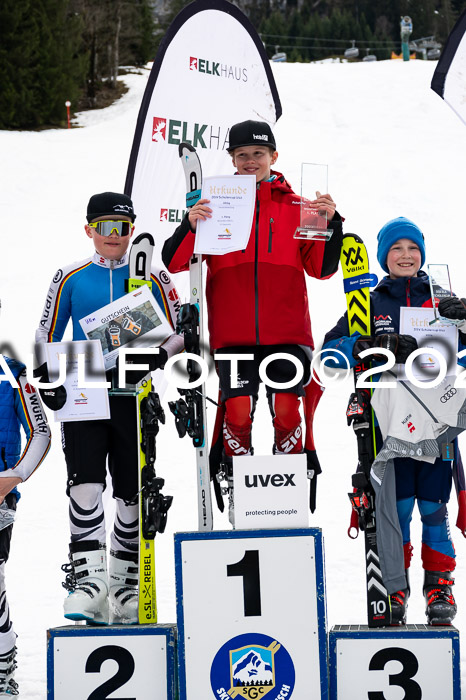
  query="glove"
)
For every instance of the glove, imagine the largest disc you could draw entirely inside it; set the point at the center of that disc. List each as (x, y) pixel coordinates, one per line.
(313, 471)
(55, 398)
(400, 345)
(454, 308)
(153, 361)
(358, 406)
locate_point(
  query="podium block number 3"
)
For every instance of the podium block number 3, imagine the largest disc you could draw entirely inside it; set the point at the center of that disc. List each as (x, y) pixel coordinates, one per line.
(248, 568)
(126, 667)
(403, 679)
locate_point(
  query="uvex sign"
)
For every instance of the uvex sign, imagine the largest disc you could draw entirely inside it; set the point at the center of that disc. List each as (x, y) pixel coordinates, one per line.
(256, 480)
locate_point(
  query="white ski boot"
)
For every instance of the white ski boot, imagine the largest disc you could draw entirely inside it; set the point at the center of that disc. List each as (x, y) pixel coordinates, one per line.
(87, 583)
(123, 580)
(8, 686)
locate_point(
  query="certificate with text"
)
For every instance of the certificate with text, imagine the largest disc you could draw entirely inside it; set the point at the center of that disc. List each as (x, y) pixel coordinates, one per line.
(435, 339)
(232, 199)
(84, 368)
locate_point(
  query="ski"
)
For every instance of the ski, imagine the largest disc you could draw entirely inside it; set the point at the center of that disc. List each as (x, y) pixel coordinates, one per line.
(190, 410)
(153, 505)
(357, 281)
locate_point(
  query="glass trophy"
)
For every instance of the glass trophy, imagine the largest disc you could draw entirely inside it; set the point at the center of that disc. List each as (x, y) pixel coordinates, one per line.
(313, 222)
(440, 288)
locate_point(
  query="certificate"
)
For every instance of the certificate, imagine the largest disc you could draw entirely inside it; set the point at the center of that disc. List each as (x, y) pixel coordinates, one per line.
(232, 199)
(134, 320)
(84, 366)
(442, 338)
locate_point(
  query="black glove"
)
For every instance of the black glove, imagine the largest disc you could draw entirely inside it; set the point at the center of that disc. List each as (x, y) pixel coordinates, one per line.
(358, 406)
(453, 308)
(313, 470)
(153, 361)
(54, 399)
(400, 345)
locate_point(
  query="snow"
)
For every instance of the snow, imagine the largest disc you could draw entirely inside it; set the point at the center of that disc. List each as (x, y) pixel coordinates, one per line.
(392, 147)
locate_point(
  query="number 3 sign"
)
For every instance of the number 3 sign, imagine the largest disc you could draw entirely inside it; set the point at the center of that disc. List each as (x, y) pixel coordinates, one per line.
(415, 662)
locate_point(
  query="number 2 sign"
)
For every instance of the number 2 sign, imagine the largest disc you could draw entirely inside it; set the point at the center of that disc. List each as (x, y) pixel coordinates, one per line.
(89, 663)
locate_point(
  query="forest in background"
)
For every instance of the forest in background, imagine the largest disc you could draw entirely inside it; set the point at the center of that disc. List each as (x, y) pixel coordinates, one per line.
(57, 50)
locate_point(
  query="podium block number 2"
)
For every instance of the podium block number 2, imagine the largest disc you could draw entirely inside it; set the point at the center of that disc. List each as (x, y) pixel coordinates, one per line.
(126, 665)
(248, 568)
(117, 662)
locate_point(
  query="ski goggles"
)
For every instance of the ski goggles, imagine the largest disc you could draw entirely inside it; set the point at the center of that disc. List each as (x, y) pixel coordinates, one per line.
(106, 228)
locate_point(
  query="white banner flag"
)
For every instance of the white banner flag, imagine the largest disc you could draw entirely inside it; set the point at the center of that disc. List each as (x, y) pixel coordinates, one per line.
(210, 72)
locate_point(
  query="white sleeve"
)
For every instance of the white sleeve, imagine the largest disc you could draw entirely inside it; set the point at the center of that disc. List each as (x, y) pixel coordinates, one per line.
(32, 416)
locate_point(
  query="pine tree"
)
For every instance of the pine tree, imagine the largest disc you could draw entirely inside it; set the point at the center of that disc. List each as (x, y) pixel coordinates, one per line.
(40, 62)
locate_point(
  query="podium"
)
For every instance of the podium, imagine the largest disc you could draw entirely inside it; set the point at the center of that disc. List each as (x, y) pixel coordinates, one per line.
(91, 663)
(251, 614)
(420, 660)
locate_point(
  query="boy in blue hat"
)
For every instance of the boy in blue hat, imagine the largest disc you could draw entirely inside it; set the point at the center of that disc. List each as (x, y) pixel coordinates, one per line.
(401, 253)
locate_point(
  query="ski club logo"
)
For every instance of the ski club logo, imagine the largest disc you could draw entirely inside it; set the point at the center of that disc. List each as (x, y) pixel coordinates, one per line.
(225, 235)
(220, 70)
(251, 666)
(81, 399)
(176, 131)
(159, 129)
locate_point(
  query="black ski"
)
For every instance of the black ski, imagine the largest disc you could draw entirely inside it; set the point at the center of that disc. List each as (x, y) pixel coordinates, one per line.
(355, 266)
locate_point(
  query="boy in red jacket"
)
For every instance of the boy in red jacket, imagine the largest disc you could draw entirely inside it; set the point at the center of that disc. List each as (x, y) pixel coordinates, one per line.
(257, 298)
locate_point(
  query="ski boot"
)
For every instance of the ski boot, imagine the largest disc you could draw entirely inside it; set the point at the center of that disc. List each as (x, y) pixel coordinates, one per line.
(123, 594)
(441, 606)
(86, 581)
(399, 603)
(8, 686)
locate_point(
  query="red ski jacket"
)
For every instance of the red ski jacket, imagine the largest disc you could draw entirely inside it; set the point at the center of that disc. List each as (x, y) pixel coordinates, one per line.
(258, 296)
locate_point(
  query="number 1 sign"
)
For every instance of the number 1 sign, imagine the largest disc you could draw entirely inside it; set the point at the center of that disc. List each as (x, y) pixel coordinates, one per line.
(251, 615)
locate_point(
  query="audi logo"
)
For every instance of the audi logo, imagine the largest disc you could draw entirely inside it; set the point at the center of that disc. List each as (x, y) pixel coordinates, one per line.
(448, 395)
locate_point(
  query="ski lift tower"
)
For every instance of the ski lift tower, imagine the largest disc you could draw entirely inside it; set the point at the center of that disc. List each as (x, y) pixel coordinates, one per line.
(406, 28)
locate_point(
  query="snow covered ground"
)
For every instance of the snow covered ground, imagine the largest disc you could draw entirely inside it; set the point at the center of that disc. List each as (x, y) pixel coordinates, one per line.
(393, 148)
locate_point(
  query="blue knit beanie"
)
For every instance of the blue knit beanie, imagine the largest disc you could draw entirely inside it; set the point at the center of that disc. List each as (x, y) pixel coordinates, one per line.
(392, 232)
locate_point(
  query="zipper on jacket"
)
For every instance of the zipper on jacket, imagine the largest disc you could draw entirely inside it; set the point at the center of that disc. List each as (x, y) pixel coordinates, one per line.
(4, 458)
(270, 234)
(111, 279)
(408, 293)
(256, 270)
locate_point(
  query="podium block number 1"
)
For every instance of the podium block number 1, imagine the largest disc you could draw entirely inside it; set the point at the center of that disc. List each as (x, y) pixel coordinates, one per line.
(251, 615)
(248, 568)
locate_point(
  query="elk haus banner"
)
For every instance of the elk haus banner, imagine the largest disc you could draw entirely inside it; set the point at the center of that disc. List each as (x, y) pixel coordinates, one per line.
(211, 71)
